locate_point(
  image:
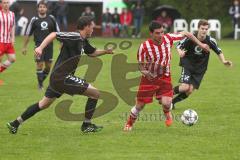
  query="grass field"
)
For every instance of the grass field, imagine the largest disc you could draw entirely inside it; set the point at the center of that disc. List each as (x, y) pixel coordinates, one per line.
(46, 137)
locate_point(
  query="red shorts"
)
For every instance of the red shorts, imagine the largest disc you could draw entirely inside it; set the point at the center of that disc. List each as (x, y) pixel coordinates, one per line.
(160, 87)
(6, 48)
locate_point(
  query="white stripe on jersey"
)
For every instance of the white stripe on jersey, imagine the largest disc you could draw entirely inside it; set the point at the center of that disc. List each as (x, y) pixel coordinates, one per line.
(7, 21)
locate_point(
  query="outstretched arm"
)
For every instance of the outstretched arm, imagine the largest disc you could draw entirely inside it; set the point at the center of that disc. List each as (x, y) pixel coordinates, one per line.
(101, 52)
(194, 39)
(45, 42)
(227, 63)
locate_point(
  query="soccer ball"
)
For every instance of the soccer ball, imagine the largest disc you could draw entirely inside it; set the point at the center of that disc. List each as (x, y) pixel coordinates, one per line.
(189, 117)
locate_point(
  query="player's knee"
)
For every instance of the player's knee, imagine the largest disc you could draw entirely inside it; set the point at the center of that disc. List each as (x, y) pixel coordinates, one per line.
(96, 94)
(167, 103)
(190, 91)
(43, 104)
(185, 88)
(12, 59)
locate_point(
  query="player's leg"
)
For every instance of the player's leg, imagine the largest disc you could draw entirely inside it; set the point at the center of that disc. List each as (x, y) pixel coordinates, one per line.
(39, 72)
(1, 81)
(47, 58)
(47, 68)
(11, 58)
(164, 95)
(134, 112)
(93, 95)
(181, 91)
(145, 94)
(166, 104)
(29, 112)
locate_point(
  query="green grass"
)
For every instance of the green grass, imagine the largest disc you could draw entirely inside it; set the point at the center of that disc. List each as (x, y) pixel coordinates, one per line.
(215, 136)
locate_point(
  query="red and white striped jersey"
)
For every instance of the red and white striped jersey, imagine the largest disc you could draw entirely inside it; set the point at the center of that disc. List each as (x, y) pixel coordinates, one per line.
(7, 21)
(157, 57)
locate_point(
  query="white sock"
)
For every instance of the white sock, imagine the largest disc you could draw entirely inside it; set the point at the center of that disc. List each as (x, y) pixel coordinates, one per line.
(135, 112)
(6, 64)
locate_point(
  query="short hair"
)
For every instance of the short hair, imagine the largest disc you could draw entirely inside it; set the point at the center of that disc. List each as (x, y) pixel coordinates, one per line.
(84, 21)
(42, 2)
(154, 25)
(203, 22)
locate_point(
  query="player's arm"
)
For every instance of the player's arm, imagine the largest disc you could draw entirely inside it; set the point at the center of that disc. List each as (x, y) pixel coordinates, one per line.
(194, 39)
(13, 34)
(227, 63)
(45, 42)
(218, 51)
(142, 64)
(181, 47)
(29, 32)
(101, 52)
(25, 43)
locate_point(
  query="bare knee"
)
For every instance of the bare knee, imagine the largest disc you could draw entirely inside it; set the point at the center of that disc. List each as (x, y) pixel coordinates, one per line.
(96, 94)
(12, 59)
(190, 90)
(166, 102)
(184, 88)
(45, 103)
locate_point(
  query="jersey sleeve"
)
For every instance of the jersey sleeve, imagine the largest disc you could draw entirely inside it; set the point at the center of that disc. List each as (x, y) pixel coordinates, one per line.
(56, 26)
(183, 43)
(67, 37)
(175, 37)
(141, 55)
(88, 48)
(214, 46)
(31, 27)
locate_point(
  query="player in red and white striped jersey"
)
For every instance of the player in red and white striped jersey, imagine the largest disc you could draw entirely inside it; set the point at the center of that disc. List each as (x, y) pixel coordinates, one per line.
(154, 57)
(7, 35)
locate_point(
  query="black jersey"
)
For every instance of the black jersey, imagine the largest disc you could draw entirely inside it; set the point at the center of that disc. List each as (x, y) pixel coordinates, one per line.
(73, 46)
(41, 28)
(196, 59)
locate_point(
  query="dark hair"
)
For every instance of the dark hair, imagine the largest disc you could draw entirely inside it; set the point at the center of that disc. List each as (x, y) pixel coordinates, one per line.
(203, 22)
(42, 2)
(84, 21)
(154, 25)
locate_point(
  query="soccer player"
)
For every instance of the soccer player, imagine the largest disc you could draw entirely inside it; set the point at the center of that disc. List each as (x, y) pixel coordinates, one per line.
(194, 62)
(41, 26)
(154, 56)
(7, 36)
(62, 79)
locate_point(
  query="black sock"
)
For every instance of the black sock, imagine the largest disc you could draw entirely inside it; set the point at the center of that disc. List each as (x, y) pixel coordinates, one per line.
(90, 108)
(30, 111)
(179, 98)
(15, 123)
(40, 76)
(45, 73)
(176, 90)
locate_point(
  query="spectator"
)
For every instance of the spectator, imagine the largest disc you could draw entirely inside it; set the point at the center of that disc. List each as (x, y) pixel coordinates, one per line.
(165, 20)
(125, 20)
(138, 13)
(107, 22)
(61, 13)
(116, 23)
(234, 12)
(88, 12)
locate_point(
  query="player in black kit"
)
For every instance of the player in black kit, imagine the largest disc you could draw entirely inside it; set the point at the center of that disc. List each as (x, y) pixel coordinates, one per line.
(194, 62)
(62, 79)
(41, 26)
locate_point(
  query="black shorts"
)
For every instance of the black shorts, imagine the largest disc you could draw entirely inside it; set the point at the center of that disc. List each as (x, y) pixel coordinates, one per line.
(47, 55)
(189, 77)
(71, 85)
